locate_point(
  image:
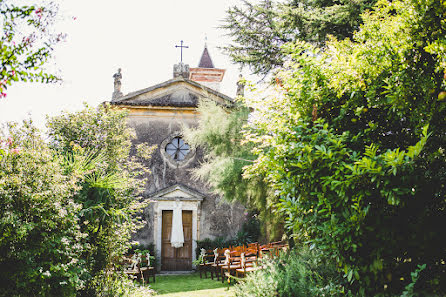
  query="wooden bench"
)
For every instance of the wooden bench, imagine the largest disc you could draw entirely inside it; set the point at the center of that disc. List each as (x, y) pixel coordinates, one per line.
(139, 267)
(132, 267)
(206, 263)
(240, 260)
(216, 266)
(147, 269)
(248, 263)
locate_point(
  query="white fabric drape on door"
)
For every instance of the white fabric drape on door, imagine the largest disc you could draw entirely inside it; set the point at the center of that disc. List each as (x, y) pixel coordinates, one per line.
(177, 235)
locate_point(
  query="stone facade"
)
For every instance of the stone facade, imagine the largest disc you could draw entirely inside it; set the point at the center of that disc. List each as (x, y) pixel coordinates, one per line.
(157, 128)
(158, 114)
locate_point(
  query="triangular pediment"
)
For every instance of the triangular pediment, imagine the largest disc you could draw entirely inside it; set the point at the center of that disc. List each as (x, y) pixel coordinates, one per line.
(177, 191)
(177, 92)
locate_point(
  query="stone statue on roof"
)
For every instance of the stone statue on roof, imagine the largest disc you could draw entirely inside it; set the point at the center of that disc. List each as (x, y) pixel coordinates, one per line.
(118, 76)
(240, 86)
(117, 84)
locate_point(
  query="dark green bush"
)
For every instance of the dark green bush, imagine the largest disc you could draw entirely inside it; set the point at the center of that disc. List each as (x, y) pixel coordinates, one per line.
(210, 244)
(305, 273)
(299, 273)
(250, 231)
(144, 249)
(354, 146)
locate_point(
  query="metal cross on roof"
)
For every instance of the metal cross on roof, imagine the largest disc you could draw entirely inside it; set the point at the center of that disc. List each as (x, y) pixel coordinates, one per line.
(182, 46)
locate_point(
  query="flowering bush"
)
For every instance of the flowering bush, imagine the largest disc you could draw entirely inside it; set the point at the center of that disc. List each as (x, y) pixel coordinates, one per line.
(100, 140)
(40, 239)
(67, 208)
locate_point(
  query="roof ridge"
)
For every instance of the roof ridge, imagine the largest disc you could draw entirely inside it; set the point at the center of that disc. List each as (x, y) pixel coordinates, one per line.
(130, 96)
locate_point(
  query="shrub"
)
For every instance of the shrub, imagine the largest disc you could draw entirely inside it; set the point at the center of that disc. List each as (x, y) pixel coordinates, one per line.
(67, 209)
(353, 144)
(295, 274)
(40, 238)
(110, 185)
(250, 231)
(210, 244)
(117, 284)
(144, 249)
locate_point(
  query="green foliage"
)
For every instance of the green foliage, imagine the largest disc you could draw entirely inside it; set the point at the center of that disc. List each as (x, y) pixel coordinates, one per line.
(220, 134)
(199, 261)
(353, 143)
(210, 244)
(144, 249)
(260, 30)
(118, 284)
(41, 242)
(409, 289)
(250, 231)
(68, 208)
(98, 130)
(332, 195)
(109, 183)
(299, 273)
(26, 43)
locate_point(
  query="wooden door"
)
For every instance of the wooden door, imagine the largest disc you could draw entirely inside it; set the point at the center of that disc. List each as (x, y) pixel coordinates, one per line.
(179, 259)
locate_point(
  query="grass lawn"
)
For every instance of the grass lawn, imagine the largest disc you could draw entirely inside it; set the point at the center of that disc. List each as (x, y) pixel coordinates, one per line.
(189, 285)
(222, 292)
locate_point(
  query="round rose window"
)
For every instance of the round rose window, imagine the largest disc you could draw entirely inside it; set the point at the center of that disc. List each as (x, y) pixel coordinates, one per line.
(177, 149)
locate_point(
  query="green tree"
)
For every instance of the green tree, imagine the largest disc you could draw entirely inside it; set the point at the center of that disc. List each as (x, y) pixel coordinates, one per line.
(260, 30)
(354, 146)
(26, 43)
(68, 207)
(110, 185)
(220, 133)
(40, 238)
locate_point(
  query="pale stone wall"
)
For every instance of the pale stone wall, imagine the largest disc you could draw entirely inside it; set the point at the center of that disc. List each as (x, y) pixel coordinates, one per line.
(215, 217)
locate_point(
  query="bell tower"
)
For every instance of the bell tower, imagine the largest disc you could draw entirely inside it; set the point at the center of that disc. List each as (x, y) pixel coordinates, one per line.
(206, 73)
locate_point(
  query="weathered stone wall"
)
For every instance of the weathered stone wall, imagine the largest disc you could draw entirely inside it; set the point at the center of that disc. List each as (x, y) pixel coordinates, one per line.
(217, 217)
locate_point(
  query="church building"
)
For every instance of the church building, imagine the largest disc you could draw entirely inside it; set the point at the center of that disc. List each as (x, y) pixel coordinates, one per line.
(183, 210)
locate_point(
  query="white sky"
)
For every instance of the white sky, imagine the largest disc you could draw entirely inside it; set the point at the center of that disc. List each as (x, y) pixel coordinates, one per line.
(138, 36)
